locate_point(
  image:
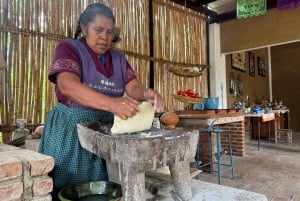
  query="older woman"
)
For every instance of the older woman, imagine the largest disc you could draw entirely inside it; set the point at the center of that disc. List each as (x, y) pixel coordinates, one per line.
(91, 79)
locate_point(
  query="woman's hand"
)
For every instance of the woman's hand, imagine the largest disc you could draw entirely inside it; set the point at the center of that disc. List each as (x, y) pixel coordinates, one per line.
(125, 107)
(155, 98)
(137, 91)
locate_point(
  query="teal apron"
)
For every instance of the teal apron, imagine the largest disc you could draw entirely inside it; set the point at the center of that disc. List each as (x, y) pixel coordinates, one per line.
(73, 164)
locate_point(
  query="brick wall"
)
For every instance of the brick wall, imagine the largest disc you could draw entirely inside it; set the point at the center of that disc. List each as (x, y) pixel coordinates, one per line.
(24, 175)
(238, 139)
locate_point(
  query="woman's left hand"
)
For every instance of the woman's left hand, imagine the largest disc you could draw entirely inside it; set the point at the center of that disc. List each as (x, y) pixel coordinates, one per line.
(155, 98)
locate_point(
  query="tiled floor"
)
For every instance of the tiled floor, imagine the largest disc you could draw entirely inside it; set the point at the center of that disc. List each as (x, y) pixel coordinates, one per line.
(273, 171)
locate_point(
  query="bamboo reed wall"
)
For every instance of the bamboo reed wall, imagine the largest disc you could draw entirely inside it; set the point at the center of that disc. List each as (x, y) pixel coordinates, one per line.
(179, 37)
(30, 29)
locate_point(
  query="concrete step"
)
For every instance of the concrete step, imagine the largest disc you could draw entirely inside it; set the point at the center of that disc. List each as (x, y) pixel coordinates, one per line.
(202, 191)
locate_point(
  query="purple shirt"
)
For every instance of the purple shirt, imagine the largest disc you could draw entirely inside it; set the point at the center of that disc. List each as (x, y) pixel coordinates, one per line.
(72, 55)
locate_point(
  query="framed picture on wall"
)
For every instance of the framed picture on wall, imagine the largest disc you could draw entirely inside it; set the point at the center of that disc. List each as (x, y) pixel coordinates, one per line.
(238, 61)
(261, 65)
(251, 64)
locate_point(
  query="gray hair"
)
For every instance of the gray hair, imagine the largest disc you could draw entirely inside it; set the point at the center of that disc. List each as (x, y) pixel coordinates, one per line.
(90, 13)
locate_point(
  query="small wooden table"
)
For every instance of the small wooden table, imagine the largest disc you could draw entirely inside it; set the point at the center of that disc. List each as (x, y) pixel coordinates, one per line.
(262, 119)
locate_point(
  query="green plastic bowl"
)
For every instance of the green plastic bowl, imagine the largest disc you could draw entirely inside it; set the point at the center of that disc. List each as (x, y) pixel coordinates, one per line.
(90, 191)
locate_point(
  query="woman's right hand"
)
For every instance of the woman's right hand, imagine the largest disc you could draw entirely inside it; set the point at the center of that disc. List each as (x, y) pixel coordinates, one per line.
(125, 107)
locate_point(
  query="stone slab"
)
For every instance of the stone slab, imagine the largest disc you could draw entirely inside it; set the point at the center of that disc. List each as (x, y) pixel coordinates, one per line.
(203, 191)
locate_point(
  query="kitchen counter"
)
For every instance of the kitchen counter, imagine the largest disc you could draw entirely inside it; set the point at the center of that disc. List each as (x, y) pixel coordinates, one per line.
(222, 116)
(209, 114)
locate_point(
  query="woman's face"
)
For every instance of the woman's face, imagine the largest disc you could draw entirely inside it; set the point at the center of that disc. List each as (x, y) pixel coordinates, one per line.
(99, 34)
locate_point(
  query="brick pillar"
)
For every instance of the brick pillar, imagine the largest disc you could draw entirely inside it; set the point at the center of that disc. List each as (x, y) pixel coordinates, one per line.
(238, 140)
(24, 174)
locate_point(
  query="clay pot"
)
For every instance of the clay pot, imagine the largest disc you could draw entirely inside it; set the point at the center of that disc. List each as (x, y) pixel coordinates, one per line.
(169, 119)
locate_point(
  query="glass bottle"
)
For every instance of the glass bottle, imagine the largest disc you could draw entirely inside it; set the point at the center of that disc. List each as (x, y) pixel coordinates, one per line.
(21, 130)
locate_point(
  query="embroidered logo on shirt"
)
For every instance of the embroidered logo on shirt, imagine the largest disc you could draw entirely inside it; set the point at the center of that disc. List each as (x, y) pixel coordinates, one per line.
(66, 64)
(106, 87)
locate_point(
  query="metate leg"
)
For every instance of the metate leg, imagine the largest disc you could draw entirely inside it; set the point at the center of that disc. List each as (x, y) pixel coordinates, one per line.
(132, 192)
(180, 174)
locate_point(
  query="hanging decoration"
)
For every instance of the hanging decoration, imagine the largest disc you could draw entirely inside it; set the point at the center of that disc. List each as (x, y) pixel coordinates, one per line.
(236, 87)
(250, 8)
(287, 4)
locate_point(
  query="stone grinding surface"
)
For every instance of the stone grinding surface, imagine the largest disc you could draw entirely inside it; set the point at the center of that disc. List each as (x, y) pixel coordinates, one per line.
(133, 154)
(148, 150)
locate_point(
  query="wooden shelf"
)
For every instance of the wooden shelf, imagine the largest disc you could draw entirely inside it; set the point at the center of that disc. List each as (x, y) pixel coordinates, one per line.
(187, 71)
